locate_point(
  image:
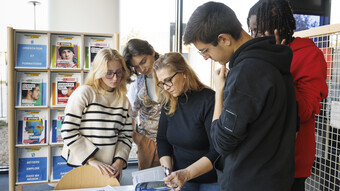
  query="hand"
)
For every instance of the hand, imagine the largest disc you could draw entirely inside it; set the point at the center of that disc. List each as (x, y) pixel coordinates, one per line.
(219, 77)
(102, 167)
(177, 179)
(118, 166)
(277, 37)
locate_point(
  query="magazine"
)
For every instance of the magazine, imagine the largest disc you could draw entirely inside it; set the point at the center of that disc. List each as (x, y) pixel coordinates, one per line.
(65, 52)
(93, 45)
(65, 88)
(30, 92)
(59, 165)
(67, 56)
(57, 117)
(31, 89)
(31, 127)
(94, 49)
(63, 85)
(31, 50)
(32, 164)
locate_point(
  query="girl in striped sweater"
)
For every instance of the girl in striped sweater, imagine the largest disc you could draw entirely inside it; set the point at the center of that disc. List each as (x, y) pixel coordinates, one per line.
(97, 128)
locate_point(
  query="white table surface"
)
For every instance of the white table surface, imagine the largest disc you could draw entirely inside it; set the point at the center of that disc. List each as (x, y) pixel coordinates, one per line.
(107, 188)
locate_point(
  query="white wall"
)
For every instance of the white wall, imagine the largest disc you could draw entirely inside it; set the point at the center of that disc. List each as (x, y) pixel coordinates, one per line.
(19, 14)
(93, 16)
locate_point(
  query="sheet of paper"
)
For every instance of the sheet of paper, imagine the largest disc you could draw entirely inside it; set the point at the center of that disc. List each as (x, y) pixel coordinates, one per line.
(335, 114)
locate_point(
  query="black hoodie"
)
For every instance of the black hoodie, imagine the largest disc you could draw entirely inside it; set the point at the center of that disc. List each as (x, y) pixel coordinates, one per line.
(255, 133)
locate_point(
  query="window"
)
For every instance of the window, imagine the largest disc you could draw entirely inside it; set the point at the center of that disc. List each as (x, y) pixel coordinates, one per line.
(148, 20)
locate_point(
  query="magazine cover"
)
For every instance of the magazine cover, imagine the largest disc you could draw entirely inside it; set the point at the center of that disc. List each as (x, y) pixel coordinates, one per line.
(59, 165)
(30, 92)
(31, 127)
(57, 117)
(31, 50)
(32, 165)
(92, 47)
(32, 89)
(63, 85)
(65, 52)
(67, 56)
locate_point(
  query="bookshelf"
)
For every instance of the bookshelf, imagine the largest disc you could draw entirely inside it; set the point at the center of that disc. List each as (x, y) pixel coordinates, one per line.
(35, 59)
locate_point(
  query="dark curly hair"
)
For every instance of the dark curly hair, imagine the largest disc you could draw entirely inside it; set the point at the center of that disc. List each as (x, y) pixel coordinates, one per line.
(274, 14)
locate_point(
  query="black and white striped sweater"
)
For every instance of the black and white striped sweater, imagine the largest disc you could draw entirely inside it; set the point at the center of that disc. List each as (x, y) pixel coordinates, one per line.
(96, 125)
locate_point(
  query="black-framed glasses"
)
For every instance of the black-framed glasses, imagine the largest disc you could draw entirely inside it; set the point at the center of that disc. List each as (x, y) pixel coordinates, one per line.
(168, 83)
(110, 74)
(202, 52)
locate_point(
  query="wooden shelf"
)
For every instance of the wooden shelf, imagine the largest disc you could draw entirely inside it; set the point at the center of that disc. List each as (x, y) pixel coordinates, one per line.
(12, 86)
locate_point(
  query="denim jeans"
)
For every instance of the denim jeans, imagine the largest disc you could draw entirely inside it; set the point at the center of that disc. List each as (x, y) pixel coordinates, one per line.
(192, 186)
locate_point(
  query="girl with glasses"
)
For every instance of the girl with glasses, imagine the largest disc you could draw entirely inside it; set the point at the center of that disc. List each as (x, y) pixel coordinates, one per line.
(140, 56)
(97, 129)
(183, 137)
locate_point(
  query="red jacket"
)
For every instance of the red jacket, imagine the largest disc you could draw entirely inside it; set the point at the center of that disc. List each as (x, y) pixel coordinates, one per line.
(308, 69)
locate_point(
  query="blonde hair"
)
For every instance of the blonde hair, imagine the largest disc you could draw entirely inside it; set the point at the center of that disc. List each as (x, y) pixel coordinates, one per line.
(99, 69)
(175, 62)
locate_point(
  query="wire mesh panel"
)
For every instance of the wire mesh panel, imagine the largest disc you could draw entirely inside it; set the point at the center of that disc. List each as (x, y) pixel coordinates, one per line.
(326, 169)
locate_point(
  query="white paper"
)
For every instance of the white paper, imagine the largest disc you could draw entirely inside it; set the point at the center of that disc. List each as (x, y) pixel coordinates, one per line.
(335, 114)
(147, 175)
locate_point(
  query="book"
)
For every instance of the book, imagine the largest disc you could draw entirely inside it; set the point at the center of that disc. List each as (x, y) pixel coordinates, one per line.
(32, 164)
(65, 52)
(59, 165)
(31, 88)
(31, 50)
(63, 85)
(93, 45)
(31, 125)
(57, 117)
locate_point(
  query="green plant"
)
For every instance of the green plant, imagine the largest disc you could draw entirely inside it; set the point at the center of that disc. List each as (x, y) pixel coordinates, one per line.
(3, 123)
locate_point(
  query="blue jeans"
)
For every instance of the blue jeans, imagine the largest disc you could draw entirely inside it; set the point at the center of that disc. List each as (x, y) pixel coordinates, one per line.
(192, 186)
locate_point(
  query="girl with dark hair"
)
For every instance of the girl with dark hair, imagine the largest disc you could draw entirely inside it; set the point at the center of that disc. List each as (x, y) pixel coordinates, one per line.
(140, 56)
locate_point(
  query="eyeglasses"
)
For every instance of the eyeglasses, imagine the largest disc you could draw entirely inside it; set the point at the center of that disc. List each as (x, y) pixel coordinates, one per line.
(202, 52)
(168, 83)
(110, 74)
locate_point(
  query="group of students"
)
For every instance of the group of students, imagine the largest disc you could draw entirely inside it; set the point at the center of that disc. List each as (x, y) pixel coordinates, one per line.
(254, 132)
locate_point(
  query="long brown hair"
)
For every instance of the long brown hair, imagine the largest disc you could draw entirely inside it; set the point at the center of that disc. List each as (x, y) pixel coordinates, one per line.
(176, 62)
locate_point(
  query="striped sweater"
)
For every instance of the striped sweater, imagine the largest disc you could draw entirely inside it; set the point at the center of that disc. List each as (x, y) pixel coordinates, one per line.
(96, 125)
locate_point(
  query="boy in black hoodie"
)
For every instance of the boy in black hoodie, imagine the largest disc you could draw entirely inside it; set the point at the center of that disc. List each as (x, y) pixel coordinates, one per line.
(255, 115)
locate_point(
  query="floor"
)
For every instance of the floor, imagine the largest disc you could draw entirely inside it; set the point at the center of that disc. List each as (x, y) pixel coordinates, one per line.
(126, 180)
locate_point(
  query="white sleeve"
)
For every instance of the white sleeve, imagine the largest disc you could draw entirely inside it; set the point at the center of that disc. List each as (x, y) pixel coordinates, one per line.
(132, 92)
(132, 96)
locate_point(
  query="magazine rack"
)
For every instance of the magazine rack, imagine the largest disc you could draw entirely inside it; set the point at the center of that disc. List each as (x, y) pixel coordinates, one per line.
(35, 57)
